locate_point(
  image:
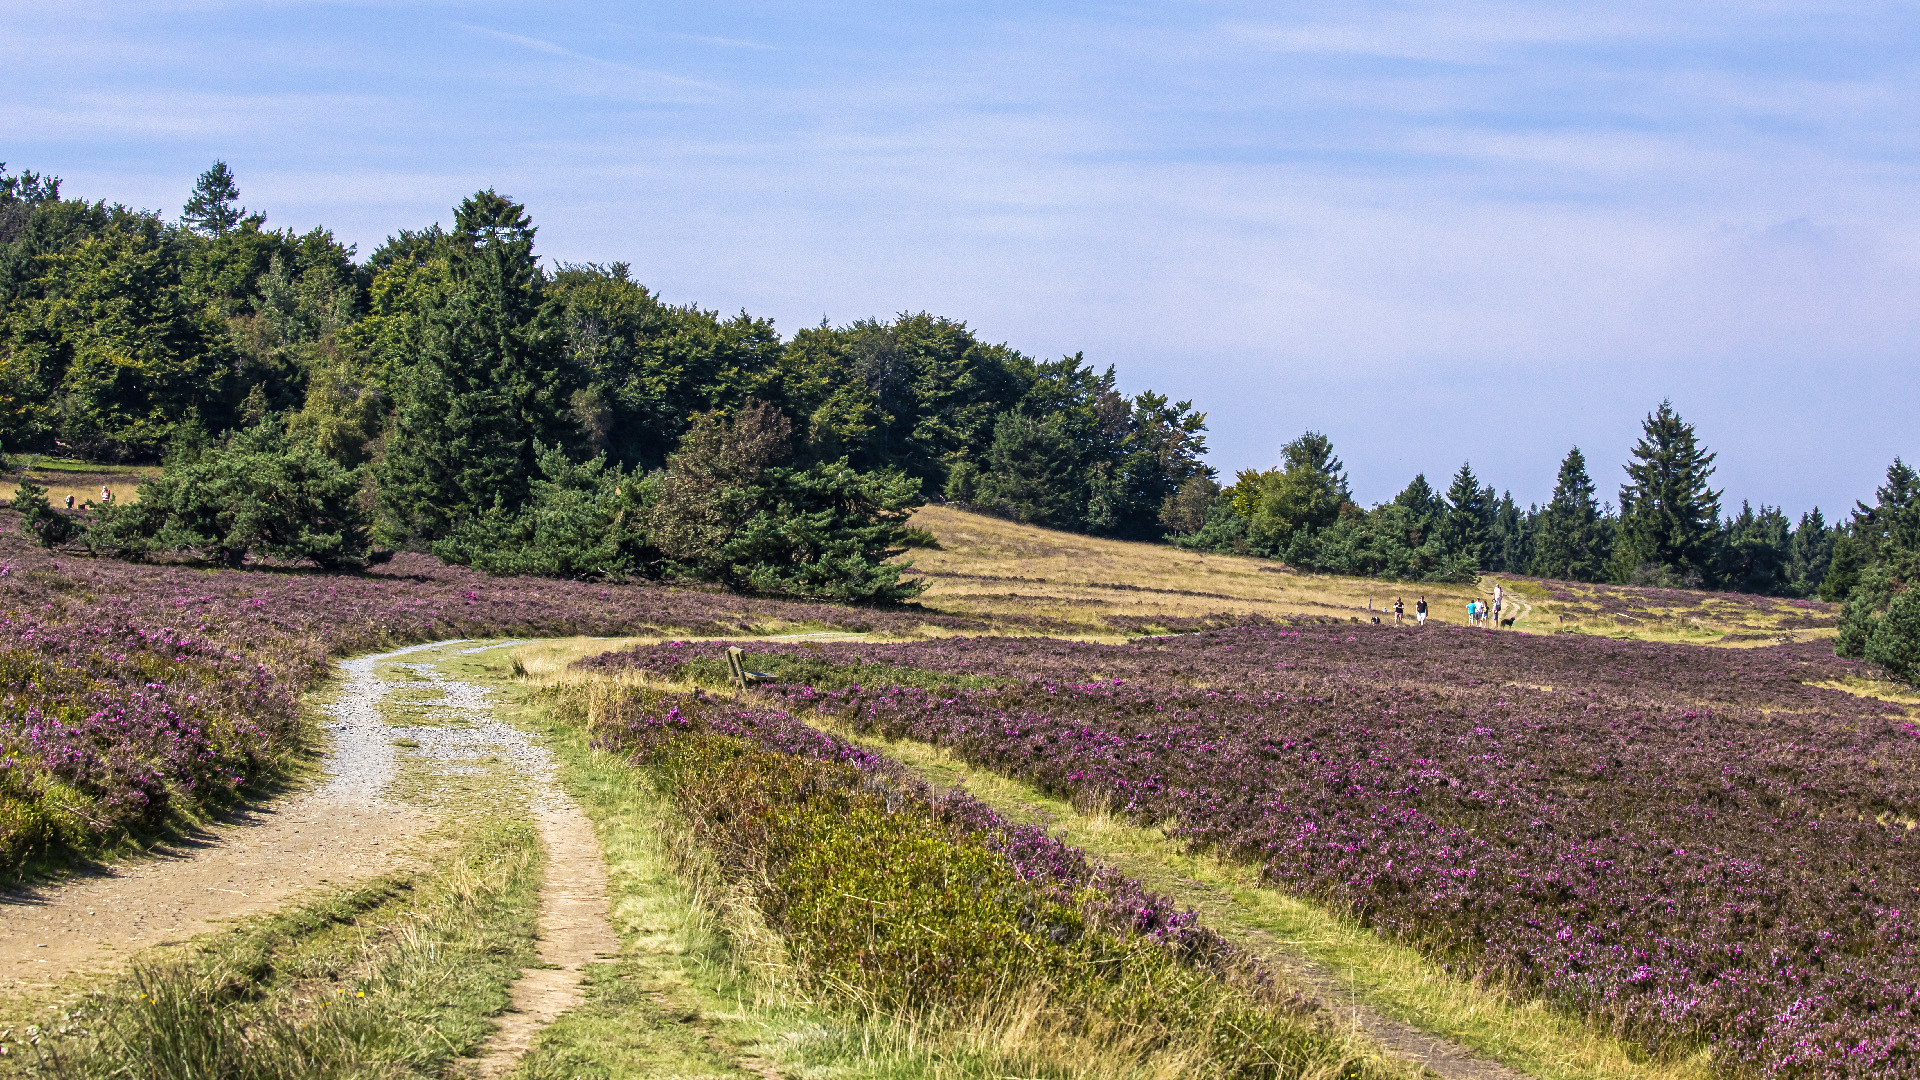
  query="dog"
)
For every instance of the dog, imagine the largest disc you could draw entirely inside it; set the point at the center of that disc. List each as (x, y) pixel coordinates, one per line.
(1506, 622)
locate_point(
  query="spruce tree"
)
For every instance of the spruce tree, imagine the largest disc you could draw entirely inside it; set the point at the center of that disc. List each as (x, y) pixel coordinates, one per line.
(1669, 517)
(1510, 541)
(1465, 529)
(1811, 554)
(488, 388)
(212, 209)
(1568, 543)
(1425, 506)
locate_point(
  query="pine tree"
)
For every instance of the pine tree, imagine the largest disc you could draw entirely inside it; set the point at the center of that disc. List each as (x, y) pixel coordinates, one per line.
(1509, 542)
(1568, 544)
(1428, 511)
(1669, 517)
(1469, 513)
(1892, 525)
(212, 209)
(1811, 552)
(489, 387)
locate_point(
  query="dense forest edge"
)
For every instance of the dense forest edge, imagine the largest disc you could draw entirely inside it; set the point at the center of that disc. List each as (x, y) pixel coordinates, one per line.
(451, 394)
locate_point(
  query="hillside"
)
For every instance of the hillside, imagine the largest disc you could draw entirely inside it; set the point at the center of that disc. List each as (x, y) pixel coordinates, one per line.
(1095, 587)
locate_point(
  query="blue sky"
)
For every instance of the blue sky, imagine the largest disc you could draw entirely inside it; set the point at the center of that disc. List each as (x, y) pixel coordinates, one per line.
(1438, 232)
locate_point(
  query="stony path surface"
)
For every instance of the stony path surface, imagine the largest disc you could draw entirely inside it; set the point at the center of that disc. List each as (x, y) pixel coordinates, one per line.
(344, 829)
(349, 826)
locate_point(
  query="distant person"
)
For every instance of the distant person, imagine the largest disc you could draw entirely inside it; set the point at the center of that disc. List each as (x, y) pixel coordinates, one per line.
(1473, 613)
(1399, 608)
(69, 502)
(106, 494)
(1499, 599)
(1420, 611)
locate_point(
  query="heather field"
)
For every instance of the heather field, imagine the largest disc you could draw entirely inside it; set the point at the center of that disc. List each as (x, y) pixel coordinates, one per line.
(1690, 846)
(140, 693)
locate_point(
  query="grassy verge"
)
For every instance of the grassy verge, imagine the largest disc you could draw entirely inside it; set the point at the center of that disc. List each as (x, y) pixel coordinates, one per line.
(1393, 980)
(396, 977)
(839, 930)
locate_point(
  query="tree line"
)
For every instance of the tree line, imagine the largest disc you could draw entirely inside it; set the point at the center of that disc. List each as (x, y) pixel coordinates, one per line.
(1667, 530)
(452, 394)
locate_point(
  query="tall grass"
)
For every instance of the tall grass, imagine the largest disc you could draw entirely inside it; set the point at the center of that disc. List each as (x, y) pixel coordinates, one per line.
(912, 915)
(392, 979)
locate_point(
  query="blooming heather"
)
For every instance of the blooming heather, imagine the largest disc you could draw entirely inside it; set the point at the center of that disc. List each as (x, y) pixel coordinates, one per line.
(131, 694)
(1690, 845)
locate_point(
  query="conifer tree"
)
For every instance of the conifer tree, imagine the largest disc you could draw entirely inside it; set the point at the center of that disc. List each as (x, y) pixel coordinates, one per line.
(1809, 554)
(213, 209)
(488, 388)
(1567, 545)
(1669, 517)
(1424, 503)
(1469, 513)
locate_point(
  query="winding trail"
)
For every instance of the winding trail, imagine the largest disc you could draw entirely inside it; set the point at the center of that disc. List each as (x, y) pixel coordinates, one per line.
(348, 827)
(343, 830)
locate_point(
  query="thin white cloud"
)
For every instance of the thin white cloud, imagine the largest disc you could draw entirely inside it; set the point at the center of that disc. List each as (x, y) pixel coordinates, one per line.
(549, 48)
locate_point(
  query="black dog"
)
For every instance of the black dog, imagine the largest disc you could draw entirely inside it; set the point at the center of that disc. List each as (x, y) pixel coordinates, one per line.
(1506, 622)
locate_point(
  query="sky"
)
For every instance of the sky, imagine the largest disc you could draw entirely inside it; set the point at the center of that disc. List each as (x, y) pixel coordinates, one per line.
(1438, 232)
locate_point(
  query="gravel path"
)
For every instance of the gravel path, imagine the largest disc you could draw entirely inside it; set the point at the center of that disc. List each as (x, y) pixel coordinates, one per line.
(348, 827)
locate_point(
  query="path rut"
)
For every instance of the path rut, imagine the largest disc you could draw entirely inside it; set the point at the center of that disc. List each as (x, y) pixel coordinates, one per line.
(345, 829)
(348, 827)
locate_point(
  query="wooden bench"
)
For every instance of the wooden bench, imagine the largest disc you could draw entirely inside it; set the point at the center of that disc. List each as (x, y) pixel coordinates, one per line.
(742, 678)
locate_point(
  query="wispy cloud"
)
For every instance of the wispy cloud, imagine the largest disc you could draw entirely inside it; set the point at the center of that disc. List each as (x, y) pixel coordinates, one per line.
(549, 48)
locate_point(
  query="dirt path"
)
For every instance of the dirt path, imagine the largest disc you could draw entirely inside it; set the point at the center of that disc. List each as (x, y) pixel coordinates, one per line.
(574, 932)
(350, 826)
(345, 829)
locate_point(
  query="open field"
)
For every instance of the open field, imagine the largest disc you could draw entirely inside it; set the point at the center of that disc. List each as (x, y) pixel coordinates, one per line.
(79, 479)
(1690, 848)
(1102, 588)
(1000, 834)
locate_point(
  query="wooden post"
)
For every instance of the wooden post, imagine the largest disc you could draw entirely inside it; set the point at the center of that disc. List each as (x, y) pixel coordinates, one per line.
(735, 668)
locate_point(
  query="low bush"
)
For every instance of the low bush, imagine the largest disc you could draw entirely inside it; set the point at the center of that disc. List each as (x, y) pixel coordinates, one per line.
(906, 904)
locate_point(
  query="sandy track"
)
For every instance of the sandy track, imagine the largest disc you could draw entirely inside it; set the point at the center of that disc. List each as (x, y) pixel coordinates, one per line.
(574, 932)
(344, 830)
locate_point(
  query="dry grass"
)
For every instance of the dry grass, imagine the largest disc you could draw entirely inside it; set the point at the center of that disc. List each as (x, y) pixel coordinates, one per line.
(82, 481)
(986, 567)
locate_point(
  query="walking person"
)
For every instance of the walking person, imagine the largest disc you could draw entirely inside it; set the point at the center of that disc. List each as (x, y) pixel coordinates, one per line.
(1473, 613)
(1420, 611)
(69, 502)
(1399, 609)
(1498, 599)
(106, 494)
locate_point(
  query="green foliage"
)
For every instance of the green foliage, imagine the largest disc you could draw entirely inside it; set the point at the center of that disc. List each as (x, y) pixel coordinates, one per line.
(1669, 517)
(1754, 550)
(1894, 642)
(827, 532)
(487, 386)
(1032, 472)
(40, 520)
(112, 352)
(1843, 569)
(1810, 555)
(582, 520)
(256, 492)
(212, 208)
(1569, 542)
(727, 510)
(1465, 527)
(882, 901)
(1881, 552)
(1286, 505)
(1187, 510)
